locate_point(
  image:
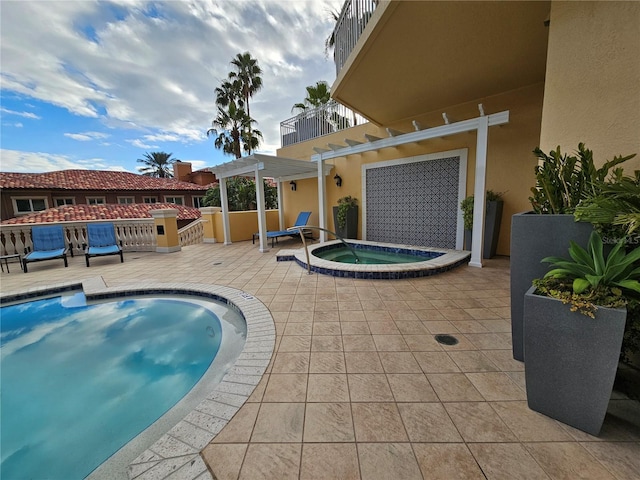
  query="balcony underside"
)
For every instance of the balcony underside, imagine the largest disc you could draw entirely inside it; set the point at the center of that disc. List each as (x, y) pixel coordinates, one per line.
(418, 57)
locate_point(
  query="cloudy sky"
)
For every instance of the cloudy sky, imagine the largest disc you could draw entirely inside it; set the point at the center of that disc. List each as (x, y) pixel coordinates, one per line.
(96, 85)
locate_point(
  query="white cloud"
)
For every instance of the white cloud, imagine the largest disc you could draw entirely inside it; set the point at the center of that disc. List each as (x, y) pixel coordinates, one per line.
(140, 144)
(20, 114)
(157, 73)
(27, 162)
(86, 136)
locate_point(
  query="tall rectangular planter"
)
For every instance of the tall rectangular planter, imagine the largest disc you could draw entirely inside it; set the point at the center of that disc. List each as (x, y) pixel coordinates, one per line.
(571, 360)
(492, 221)
(534, 237)
(350, 230)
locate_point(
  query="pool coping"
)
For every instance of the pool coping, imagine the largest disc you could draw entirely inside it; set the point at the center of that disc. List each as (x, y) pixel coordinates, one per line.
(447, 261)
(177, 452)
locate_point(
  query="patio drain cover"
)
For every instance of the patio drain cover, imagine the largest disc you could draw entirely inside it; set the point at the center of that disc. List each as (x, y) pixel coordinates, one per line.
(446, 339)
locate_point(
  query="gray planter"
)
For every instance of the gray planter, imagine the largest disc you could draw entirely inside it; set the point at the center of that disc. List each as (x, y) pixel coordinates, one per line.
(492, 221)
(350, 230)
(571, 360)
(534, 237)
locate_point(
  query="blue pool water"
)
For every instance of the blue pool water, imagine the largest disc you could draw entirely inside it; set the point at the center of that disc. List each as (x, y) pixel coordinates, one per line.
(79, 381)
(369, 255)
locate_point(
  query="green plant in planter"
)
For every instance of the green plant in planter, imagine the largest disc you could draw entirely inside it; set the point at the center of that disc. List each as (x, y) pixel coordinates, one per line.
(590, 279)
(467, 207)
(562, 181)
(344, 204)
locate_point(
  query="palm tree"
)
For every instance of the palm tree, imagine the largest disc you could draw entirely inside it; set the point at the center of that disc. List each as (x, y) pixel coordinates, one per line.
(317, 95)
(233, 129)
(330, 42)
(247, 79)
(157, 164)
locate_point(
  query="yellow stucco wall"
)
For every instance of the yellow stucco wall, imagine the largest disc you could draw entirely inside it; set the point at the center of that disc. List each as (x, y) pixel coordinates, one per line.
(243, 224)
(509, 167)
(592, 91)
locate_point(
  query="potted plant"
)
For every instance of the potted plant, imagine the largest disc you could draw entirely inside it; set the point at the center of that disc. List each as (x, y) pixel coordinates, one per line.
(345, 217)
(492, 220)
(574, 323)
(562, 181)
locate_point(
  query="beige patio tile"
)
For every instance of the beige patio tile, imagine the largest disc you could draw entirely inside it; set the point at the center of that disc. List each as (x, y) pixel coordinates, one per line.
(369, 387)
(469, 326)
(496, 325)
(326, 343)
(404, 315)
(530, 426)
(447, 461)
(567, 460)
(298, 328)
(355, 328)
(291, 362)
(385, 461)
(495, 386)
(620, 458)
(506, 461)
(272, 460)
(258, 392)
(422, 343)
(329, 461)
(399, 362)
(428, 422)
(363, 362)
(489, 341)
(326, 328)
(387, 327)
(328, 422)
(358, 343)
(411, 387)
(300, 317)
(504, 360)
(327, 388)
(295, 343)
(279, 423)
(326, 316)
(411, 327)
(377, 315)
(472, 361)
(455, 314)
(326, 307)
(437, 326)
(435, 362)
(378, 422)
(352, 317)
(390, 343)
(225, 460)
(327, 362)
(239, 429)
(286, 387)
(477, 422)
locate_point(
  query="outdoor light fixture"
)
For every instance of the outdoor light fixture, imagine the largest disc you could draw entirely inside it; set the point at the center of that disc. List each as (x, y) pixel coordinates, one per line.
(293, 185)
(338, 180)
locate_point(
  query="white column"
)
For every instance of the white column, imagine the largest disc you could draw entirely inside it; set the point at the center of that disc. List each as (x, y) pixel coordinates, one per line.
(262, 216)
(280, 207)
(322, 200)
(224, 202)
(479, 202)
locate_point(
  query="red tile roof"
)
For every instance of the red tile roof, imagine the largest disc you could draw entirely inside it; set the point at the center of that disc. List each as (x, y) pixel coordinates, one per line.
(79, 213)
(92, 180)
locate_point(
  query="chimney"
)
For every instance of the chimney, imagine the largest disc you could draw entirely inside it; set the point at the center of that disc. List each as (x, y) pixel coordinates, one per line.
(182, 171)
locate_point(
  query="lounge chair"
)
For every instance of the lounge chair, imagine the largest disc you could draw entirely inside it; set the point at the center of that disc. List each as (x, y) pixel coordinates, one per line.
(102, 241)
(48, 244)
(301, 221)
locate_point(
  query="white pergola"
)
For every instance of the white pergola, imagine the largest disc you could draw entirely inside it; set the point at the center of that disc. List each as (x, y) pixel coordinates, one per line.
(479, 124)
(260, 166)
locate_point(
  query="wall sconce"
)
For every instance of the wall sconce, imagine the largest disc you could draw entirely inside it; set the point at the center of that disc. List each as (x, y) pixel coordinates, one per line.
(338, 180)
(294, 185)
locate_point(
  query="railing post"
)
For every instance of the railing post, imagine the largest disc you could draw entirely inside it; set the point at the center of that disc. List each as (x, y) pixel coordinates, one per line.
(209, 227)
(166, 230)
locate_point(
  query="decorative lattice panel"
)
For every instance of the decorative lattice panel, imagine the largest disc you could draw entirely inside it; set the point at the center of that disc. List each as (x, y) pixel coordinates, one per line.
(414, 203)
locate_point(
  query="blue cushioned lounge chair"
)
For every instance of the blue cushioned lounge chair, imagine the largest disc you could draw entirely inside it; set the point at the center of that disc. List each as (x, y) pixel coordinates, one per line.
(48, 244)
(102, 241)
(301, 221)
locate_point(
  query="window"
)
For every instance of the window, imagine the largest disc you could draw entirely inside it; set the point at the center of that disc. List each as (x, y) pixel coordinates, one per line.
(61, 202)
(95, 201)
(126, 200)
(176, 200)
(198, 202)
(150, 199)
(22, 206)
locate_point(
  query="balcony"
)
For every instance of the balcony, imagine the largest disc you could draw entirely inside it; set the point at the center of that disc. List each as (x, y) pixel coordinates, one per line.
(353, 18)
(314, 123)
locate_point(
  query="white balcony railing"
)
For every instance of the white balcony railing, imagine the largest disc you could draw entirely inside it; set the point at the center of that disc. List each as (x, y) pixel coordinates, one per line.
(192, 234)
(137, 235)
(313, 123)
(354, 16)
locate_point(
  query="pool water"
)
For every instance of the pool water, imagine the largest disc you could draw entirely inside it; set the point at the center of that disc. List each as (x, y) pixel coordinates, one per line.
(368, 256)
(80, 381)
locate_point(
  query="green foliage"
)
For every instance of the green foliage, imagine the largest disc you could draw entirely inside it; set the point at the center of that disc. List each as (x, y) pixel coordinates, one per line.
(241, 195)
(344, 204)
(590, 278)
(157, 164)
(562, 181)
(467, 207)
(317, 95)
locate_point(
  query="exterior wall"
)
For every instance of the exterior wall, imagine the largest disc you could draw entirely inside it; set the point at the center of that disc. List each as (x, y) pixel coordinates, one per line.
(510, 163)
(592, 89)
(243, 224)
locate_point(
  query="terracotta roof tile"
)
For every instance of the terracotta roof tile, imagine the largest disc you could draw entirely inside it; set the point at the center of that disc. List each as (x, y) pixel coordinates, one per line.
(92, 180)
(79, 213)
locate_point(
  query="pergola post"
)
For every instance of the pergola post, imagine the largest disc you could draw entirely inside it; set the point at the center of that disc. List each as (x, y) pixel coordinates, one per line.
(479, 200)
(262, 216)
(225, 211)
(322, 195)
(280, 206)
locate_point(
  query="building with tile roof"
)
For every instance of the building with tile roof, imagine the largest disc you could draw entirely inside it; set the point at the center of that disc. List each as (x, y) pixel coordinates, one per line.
(27, 193)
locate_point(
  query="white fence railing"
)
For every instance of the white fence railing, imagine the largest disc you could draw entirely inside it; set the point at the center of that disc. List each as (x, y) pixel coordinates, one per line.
(192, 234)
(136, 235)
(353, 18)
(313, 123)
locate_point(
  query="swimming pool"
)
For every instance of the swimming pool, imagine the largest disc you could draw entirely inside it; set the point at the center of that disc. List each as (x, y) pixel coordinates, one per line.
(390, 260)
(195, 419)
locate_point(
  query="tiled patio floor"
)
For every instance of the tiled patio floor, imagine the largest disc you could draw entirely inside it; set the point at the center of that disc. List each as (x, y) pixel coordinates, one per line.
(358, 387)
